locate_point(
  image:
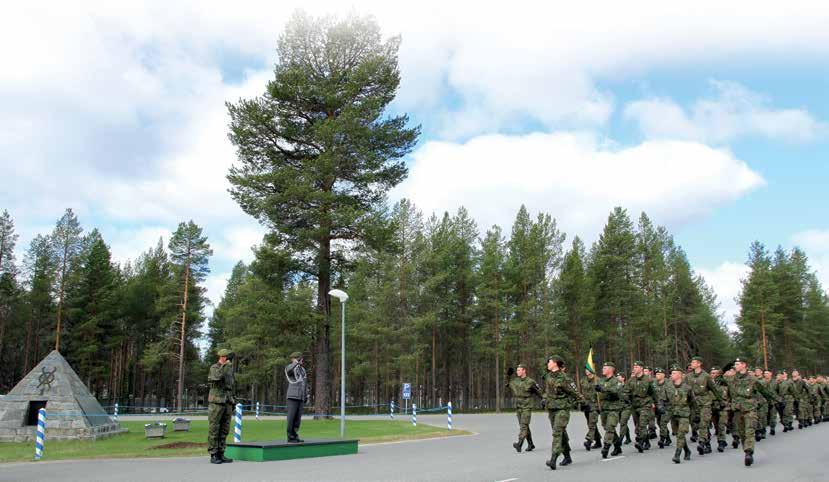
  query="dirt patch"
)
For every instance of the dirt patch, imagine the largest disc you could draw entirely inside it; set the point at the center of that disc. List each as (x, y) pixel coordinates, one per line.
(180, 445)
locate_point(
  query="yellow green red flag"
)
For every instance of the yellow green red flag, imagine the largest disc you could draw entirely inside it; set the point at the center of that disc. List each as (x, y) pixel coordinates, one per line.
(589, 365)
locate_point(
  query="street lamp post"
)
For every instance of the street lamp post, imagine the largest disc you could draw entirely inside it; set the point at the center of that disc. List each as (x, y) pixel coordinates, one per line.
(343, 297)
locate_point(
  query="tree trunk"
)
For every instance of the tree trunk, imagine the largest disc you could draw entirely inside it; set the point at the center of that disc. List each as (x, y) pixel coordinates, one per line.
(60, 298)
(180, 389)
(322, 387)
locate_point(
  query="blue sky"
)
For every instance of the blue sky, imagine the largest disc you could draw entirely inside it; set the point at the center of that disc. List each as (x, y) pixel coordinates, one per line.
(713, 118)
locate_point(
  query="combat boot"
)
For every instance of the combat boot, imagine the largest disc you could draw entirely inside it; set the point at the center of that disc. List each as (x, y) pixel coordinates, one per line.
(708, 447)
(552, 462)
(701, 448)
(694, 436)
(530, 444)
(517, 445)
(627, 438)
(566, 460)
(661, 443)
(668, 441)
(597, 444)
(647, 444)
(225, 460)
(687, 452)
(605, 450)
(771, 431)
(721, 446)
(617, 449)
(215, 459)
(676, 455)
(651, 434)
(735, 442)
(749, 458)
(587, 445)
(639, 446)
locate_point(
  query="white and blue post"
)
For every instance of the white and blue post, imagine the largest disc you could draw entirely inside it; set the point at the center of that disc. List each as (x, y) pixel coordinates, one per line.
(115, 414)
(414, 414)
(237, 425)
(391, 410)
(41, 433)
(257, 411)
(449, 416)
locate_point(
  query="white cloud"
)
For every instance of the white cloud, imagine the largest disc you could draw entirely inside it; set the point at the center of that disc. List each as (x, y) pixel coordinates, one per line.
(733, 112)
(815, 242)
(725, 280)
(575, 178)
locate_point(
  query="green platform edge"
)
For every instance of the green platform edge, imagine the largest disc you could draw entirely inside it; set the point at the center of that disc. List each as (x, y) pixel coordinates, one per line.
(263, 454)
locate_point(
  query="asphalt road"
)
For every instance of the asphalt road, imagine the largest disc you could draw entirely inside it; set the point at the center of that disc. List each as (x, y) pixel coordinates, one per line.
(801, 455)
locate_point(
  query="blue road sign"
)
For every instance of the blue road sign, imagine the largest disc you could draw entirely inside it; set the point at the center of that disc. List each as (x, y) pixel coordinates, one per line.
(407, 391)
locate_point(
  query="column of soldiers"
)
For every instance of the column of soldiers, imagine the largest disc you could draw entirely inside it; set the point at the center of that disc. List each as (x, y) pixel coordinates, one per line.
(734, 400)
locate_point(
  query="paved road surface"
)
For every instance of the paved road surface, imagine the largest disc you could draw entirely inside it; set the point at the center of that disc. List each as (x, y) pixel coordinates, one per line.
(801, 455)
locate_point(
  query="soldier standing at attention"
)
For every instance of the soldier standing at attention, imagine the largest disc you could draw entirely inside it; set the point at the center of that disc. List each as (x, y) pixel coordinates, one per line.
(680, 401)
(298, 394)
(591, 411)
(642, 400)
(742, 389)
(523, 389)
(660, 387)
(785, 390)
(610, 400)
(627, 410)
(771, 384)
(704, 393)
(559, 394)
(220, 408)
(719, 409)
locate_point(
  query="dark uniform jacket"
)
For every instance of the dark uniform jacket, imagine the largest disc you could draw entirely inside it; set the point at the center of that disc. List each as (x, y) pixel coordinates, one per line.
(298, 388)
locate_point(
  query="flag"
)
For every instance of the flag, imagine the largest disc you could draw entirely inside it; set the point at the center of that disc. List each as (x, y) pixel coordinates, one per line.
(589, 365)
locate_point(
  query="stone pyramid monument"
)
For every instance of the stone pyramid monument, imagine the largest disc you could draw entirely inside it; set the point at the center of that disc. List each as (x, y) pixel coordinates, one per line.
(71, 411)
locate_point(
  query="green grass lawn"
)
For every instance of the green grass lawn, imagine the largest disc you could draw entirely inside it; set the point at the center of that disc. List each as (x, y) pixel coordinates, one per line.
(194, 442)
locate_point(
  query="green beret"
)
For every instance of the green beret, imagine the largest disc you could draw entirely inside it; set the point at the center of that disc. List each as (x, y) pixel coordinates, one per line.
(676, 368)
(697, 358)
(658, 370)
(638, 363)
(648, 368)
(224, 352)
(559, 361)
(521, 365)
(609, 364)
(296, 354)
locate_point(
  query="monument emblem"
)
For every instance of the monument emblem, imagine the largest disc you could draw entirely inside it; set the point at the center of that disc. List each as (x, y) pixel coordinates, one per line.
(46, 378)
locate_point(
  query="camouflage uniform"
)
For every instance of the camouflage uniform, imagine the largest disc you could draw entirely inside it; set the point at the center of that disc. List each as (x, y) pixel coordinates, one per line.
(762, 411)
(680, 403)
(661, 398)
(720, 413)
(801, 400)
(523, 389)
(705, 391)
(593, 438)
(625, 414)
(642, 399)
(817, 401)
(742, 389)
(610, 399)
(785, 390)
(220, 406)
(559, 393)
(774, 388)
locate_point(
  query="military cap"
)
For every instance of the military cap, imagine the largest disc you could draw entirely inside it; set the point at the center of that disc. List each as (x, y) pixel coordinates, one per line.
(521, 365)
(648, 368)
(609, 364)
(638, 363)
(658, 370)
(676, 367)
(224, 352)
(696, 358)
(740, 360)
(296, 354)
(715, 369)
(559, 361)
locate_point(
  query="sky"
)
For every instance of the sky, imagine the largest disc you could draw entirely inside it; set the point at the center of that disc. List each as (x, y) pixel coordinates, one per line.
(712, 117)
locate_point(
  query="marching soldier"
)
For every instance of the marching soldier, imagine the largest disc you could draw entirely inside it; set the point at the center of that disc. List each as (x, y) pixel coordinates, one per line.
(591, 411)
(523, 390)
(762, 408)
(801, 400)
(559, 394)
(772, 385)
(785, 390)
(704, 393)
(680, 401)
(660, 387)
(220, 406)
(652, 422)
(816, 400)
(627, 410)
(719, 410)
(742, 389)
(610, 400)
(642, 400)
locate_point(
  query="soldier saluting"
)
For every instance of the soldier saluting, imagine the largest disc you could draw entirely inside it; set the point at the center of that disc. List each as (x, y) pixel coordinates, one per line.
(298, 394)
(220, 406)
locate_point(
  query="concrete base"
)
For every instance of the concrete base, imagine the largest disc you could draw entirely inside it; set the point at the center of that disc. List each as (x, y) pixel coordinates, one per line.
(281, 450)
